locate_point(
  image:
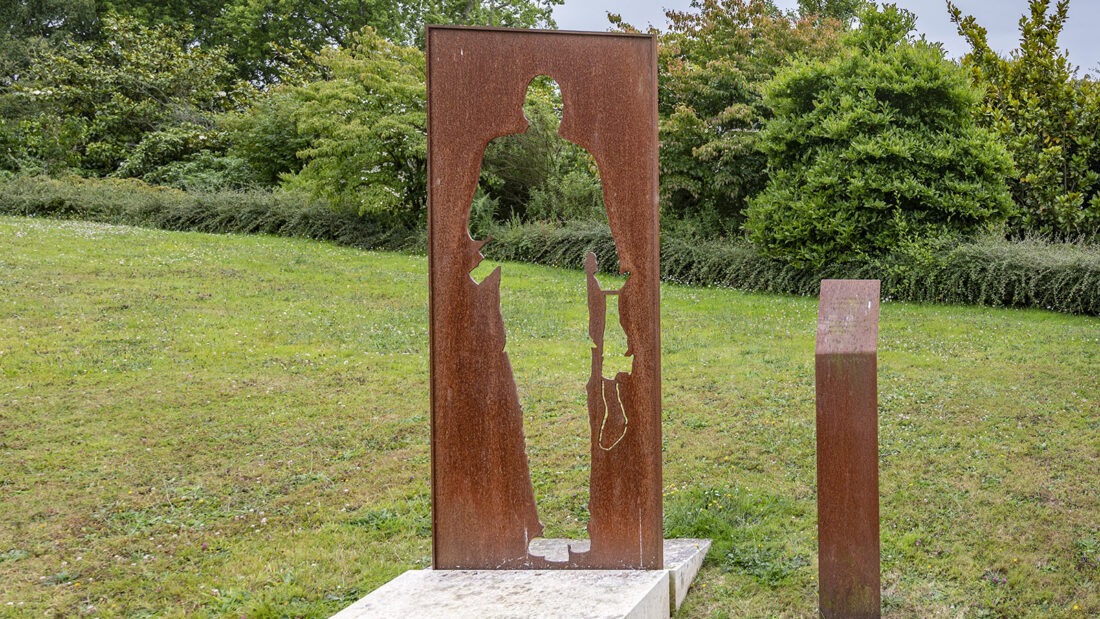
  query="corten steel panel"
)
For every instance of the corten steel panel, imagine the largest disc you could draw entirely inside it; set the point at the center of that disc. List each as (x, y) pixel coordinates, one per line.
(847, 449)
(484, 513)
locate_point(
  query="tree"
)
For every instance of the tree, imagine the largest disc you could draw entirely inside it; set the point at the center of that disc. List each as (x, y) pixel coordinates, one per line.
(267, 135)
(713, 62)
(875, 148)
(256, 31)
(130, 101)
(1047, 117)
(844, 11)
(537, 174)
(502, 13)
(259, 34)
(366, 127)
(31, 27)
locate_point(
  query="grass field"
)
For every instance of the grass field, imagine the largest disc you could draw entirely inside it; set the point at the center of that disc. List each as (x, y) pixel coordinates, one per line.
(237, 426)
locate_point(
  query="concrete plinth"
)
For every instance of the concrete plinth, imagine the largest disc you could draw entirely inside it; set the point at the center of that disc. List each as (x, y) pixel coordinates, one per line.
(683, 558)
(550, 594)
(516, 594)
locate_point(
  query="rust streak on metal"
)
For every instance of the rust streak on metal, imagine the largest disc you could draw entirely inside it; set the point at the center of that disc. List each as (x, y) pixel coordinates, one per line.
(847, 449)
(483, 510)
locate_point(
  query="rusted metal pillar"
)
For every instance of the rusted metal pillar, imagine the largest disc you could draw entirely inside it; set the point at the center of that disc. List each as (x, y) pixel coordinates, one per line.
(847, 449)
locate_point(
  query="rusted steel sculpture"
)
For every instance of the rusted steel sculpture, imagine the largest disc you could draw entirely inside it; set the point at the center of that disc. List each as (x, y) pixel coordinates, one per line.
(847, 449)
(484, 514)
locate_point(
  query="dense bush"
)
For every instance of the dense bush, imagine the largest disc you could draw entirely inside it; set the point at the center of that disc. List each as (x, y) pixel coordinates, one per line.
(206, 171)
(537, 175)
(33, 27)
(873, 149)
(267, 135)
(366, 123)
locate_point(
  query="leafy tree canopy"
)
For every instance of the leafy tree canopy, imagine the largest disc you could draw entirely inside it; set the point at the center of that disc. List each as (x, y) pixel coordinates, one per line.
(95, 106)
(1048, 118)
(31, 26)
(844, 11)
(713, 62)
(260, 37)
(366, 125)
(258, 34)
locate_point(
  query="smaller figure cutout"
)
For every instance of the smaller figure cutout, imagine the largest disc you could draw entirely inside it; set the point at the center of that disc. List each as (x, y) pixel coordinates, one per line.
(605, 405)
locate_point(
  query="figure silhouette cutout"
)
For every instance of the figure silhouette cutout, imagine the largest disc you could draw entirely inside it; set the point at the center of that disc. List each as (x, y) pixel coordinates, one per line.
(608, 419)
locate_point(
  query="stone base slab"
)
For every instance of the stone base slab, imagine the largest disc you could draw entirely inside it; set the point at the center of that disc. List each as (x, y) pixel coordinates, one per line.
(683, 558)
(517, 594)
(550, 594)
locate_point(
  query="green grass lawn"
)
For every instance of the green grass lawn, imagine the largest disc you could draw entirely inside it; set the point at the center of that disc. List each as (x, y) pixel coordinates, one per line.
(238, 426)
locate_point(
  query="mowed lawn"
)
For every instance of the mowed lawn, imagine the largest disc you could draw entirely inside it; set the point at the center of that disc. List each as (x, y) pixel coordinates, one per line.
(238, 426)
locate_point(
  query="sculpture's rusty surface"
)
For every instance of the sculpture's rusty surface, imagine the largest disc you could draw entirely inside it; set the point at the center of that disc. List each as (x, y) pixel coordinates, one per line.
(847, 448)
(484, 513)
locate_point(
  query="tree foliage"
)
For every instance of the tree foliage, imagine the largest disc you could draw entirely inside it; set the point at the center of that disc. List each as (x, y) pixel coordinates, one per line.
(267, 135)
(844, 11)
(366, 127)
(713, 61)
(123, 104)
(538, 175)
(31, 27)
(1047, 117)
(875, 149)
(260, 35)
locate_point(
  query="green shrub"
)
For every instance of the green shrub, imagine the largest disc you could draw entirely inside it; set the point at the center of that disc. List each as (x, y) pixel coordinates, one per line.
(367, 124)
(136, 91)
(873, 149)
(168, 145)
(1062, 277)
(537, 175)
(577, 195)
(206, 171)
(712, 63)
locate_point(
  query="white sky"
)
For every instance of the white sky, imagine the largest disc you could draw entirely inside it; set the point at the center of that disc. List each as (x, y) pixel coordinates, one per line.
(999, 17)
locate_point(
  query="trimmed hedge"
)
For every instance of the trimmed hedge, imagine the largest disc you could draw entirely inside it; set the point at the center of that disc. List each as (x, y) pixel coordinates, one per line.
(1063, 277)
(132, 202)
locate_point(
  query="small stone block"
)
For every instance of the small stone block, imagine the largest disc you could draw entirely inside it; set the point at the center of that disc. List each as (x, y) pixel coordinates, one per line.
(683, 558)
(516, 594)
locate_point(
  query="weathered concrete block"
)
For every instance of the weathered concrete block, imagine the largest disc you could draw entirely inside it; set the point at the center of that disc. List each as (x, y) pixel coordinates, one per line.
(683, 558)
(573, 594)
(518, 594)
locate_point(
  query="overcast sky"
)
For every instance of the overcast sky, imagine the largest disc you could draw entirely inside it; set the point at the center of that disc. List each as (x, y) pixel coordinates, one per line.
(999, 17)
